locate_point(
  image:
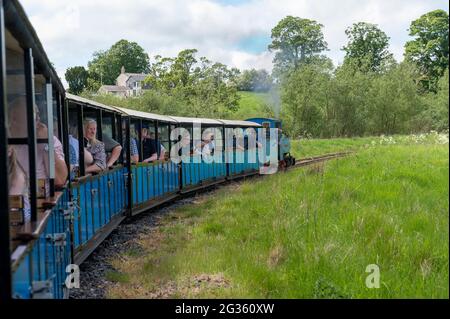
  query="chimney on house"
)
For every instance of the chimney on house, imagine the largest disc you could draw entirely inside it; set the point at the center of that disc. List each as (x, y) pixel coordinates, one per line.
(122, 70)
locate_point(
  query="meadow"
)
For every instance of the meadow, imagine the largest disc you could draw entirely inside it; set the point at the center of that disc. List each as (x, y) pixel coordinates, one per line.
(309, 232)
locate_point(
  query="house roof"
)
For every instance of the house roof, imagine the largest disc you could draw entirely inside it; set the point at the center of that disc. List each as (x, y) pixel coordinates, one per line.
(139, 76)
(113, 88)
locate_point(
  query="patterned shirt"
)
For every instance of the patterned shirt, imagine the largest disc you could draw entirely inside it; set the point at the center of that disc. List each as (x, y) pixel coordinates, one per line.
(133, 150)
(74, 152)
(98, 154)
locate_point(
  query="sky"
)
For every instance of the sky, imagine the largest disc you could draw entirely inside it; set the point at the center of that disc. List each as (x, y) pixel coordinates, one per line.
(233, 32)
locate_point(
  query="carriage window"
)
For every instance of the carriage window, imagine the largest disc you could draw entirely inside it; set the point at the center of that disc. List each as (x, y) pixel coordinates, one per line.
(117, 129)
(266, 125)
(164, 137)
(153, 146)
(43, 133)
(175, 140)
(113, 147)
(107, 127)
(212, 140)
(136, 139)
(57, 120)
(74, 146)
(95, 148)
(123, 128)
(18, 155)
(189, 129)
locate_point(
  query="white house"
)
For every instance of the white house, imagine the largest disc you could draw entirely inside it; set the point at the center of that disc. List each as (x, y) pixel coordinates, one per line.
(127, 84)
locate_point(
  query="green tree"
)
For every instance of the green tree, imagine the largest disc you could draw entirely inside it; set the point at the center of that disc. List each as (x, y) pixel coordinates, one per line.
(204, 87)
(348, 100)
(76, 77)
(442, 102)
(305, 99)
(105, 66)
(150, 101)
(254, 80)
(393, 101)
(294, 40)
(167, 73)
(429, 49)
(435, 115)
(368, 46)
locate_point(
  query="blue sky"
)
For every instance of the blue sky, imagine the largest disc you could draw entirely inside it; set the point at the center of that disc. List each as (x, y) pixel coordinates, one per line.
(234, 32)
(254, 44)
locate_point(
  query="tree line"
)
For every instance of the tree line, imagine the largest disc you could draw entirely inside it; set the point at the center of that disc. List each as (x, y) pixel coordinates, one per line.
(369, 93)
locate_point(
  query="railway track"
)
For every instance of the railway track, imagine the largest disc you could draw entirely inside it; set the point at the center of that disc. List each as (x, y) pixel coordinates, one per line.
(317, 159)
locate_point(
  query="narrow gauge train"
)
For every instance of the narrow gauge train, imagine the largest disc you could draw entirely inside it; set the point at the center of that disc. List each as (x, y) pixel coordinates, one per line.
(51, 224)
(284, 143)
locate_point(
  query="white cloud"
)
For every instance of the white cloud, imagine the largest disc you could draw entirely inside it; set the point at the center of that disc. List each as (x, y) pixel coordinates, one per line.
(72, 31)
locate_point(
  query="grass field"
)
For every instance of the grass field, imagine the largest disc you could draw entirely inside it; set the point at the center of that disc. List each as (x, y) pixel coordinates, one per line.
(314, 147)
(307, 233)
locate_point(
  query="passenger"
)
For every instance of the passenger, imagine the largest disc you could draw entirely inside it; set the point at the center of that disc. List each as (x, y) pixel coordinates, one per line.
(209, 145)
(151, 147)
(238, 143)
(18, 181)
(134, 150)
(18, 129)
(162, 149)
(185, 143)
(94, 146)
(74, 151)
(198, 148)
(113, 148)
(60, 163)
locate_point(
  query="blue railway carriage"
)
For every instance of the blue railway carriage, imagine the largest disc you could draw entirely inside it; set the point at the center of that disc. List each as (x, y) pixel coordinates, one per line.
(152, 182)
(34, 202)
(56, 206)
(243, 157)
(99, 200)
(284, 143)
(198, 169)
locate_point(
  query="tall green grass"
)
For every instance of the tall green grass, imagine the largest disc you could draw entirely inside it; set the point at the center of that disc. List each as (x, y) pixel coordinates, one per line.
(310, 233)
(313, 147)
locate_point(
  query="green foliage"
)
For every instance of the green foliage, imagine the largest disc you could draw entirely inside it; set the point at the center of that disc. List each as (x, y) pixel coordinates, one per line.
(352, 101)
(92, 85)
(305, 98)
(347, 111)
(182, 86)
(370, 93)
(429, 49)
(105, 66)
(254, 80)
(435, 115)
(295, 40)
(150, 101)
(252, 104)
(76, 77)
(204, 88)
(368, 46)
(393, 102)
